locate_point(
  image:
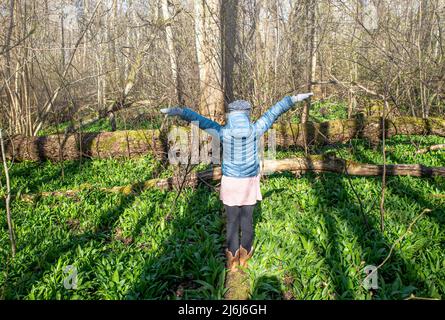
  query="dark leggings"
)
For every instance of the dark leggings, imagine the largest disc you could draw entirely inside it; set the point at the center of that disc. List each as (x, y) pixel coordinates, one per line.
(239, 217)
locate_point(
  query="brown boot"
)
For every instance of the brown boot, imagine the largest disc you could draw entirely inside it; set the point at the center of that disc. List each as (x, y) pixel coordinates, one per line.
(244, 256)
(232, 261)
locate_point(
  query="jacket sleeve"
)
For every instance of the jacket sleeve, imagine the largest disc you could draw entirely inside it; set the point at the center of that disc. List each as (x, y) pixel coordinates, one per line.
(270, 116)
(211, 127)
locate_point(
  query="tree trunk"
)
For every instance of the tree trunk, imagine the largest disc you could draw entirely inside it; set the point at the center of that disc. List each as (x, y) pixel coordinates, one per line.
(229, 14)
(208, 50)
(311, 42)
(431, 148)
(139, 142)
(74, 146)
(171, 49)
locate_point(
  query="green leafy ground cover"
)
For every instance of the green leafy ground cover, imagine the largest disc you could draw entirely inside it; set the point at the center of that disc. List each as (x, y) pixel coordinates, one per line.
(310, 238)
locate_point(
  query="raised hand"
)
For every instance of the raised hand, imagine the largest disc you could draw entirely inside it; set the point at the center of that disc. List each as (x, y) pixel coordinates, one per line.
(175, 111)
(301, 97)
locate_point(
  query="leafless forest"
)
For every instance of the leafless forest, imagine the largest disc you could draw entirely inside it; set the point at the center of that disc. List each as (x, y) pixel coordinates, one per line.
(82, 60)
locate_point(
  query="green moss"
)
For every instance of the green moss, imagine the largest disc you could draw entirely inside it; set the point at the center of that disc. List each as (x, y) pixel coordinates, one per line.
(405, 121)
(238, 287)
(150, 183)
(127, 190)
(105, 141)
(109, 141)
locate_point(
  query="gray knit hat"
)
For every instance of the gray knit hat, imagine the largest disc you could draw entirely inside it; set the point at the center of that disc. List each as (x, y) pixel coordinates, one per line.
(239, 105)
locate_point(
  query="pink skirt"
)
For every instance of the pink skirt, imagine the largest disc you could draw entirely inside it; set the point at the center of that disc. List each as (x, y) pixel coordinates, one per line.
(240, 191)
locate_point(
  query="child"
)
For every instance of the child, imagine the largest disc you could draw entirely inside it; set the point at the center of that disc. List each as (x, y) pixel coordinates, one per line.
(240, 182)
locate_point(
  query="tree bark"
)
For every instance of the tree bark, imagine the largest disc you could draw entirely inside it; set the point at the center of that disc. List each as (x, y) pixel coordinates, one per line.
(133, 143)
(431, 148)
(75, 146)
(171, 49)
(208, 50)
(311, 43)
(229, 34)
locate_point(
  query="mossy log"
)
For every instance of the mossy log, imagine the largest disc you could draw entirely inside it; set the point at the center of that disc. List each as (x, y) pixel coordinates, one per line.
(139, 142)
(319, 164)
(342, 131)
(118, 144)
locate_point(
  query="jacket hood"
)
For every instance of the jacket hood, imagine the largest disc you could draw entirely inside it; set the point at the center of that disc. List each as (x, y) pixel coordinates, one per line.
(238, 125)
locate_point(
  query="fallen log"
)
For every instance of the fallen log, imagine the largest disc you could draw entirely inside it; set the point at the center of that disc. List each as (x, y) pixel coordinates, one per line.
(368, 128)
(132, 143)
(319, 164)
(73, 146)
(431, 148)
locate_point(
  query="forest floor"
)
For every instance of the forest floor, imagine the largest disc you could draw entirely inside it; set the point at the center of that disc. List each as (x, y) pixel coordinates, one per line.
(311, 241)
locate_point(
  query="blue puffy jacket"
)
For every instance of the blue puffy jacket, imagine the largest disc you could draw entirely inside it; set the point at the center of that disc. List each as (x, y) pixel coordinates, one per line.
(240, 138)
